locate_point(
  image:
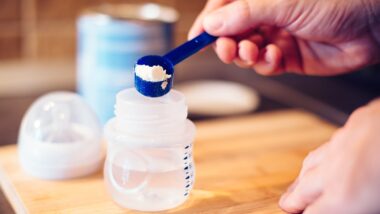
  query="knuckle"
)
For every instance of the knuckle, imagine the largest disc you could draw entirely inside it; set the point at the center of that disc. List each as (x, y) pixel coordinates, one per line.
(360, 111)
(358, 115)
(241, 64)
(375, 102)
(309, 159)
(366, 115)
(338, 134)
(245, 8)
(374, 106)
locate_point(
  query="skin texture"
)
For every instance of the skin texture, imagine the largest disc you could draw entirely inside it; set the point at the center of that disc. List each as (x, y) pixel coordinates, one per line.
(312, 37)
(341, 176)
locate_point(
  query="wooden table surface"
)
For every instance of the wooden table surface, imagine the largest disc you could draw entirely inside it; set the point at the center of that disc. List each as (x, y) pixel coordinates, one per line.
(243, 165)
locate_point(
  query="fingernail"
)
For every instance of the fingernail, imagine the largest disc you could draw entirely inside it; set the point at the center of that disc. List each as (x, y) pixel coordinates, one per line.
(293, 185)
(266, 57)
(288, 192)
(213, 22)
(263, 53)
(283, 199)
(249, 63)
(243, 57)
(191, 35)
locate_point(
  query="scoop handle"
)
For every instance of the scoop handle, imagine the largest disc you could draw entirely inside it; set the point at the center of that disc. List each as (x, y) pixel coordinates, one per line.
(189, 48)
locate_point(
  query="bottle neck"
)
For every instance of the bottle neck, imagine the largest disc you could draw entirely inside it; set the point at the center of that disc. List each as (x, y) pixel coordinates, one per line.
(138, 115)
(151, 128)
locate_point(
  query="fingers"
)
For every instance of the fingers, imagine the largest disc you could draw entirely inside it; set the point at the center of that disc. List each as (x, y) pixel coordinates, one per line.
(242, 64)
(314, 158)
(270, 61)
(220, 21)
(265, 62)
(318, 207)
(211, 5)
(226, 22)
(374, 102)
(226, 49)
(305, 191)
(220, 18)
(246, 54)
(357, 117)
(332, 204)
(308, 186)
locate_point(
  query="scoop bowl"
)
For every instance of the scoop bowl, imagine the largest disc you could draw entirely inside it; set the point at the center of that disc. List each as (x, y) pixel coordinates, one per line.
(154, 89)
(168, 61)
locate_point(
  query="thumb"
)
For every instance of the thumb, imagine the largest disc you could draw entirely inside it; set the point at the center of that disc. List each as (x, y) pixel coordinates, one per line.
(242, 15)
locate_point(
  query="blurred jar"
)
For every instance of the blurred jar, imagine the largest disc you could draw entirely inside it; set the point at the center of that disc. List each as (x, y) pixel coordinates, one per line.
(110, 39)
(149, 164)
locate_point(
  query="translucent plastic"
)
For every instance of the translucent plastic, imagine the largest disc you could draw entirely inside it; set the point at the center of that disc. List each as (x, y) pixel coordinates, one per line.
(149, 164)
(60, 137)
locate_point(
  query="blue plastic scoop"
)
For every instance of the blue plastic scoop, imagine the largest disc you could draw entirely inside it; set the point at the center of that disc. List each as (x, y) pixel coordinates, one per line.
(167, 62)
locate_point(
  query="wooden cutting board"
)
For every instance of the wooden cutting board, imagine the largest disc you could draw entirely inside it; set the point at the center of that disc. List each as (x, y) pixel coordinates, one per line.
(243, 165)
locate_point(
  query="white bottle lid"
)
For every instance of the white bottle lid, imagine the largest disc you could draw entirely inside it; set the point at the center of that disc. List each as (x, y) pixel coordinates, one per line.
(60, 138)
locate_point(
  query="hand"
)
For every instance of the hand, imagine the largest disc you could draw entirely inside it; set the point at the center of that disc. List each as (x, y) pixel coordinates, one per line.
(315, 37)
(343, 175)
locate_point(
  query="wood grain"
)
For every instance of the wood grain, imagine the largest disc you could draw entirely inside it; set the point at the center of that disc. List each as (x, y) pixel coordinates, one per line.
(243, 165)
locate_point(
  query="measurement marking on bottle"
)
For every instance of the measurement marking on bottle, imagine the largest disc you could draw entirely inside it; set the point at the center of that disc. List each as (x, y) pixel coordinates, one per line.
(188, 169)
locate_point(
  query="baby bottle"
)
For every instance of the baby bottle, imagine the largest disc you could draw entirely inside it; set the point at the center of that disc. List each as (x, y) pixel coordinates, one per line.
(149, 164)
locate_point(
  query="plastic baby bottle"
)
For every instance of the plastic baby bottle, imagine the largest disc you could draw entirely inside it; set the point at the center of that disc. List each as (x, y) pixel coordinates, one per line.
(149, 164)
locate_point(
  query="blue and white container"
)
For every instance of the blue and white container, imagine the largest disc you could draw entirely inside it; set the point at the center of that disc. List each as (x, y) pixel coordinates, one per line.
(110, 40)
(149, 164)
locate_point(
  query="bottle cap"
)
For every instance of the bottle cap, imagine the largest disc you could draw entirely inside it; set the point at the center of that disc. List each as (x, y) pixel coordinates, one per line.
(60, 137)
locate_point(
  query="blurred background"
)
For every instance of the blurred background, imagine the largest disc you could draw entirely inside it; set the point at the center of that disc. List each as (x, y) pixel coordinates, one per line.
(38, 54)
(38, 43)
(45, 29)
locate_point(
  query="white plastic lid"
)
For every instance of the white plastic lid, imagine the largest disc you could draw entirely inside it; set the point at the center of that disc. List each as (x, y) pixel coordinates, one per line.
(60, 137)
